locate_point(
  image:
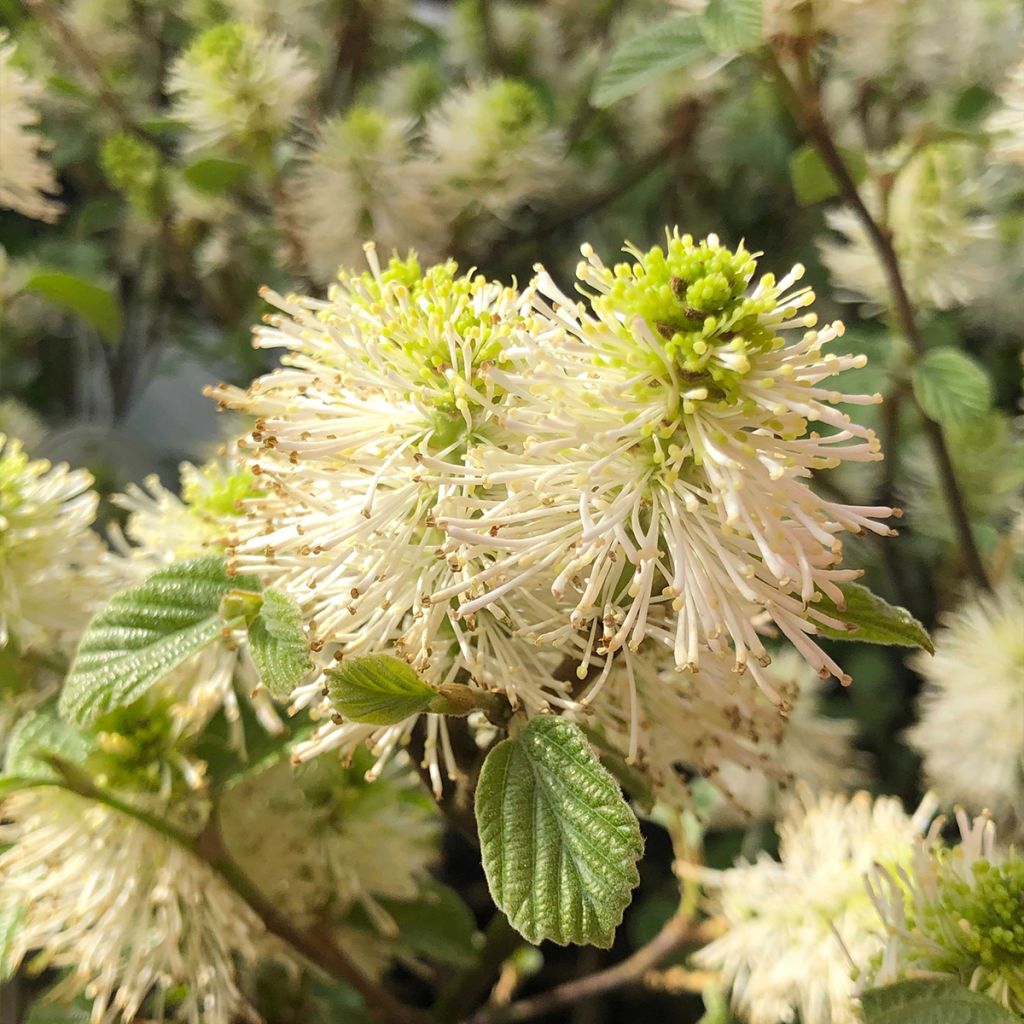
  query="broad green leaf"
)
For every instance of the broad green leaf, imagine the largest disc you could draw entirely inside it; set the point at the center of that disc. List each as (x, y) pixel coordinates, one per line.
(812, 180)
(146, 632)
(951, 387)
(10, 921)
(81, 297)
(559, 842)
(278, 643)
(732, 25)
(44, 1011)
(377, 689)
(214, 174)
(875, 621)
(666, 46)
(39, 733)
(931, 1001)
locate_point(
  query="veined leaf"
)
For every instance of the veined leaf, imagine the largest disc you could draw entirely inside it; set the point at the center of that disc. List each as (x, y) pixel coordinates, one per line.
(39, 733)
(278, 643)
(931, 1001)
(733, 25)
(145, 632)
(665, 46)
(951, 387)
(377, 689)
(559, 842)
(214, 174)
(875, 621)
(81, 297)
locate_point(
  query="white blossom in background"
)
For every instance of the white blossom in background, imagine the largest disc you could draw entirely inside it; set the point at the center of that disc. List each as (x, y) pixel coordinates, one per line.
(18, 420)
(320, 840)
(138, 923)
(664, 457)
(238, 85)
(941, 240)
(973, 701)
(955, 913)
(1006, 123)
(358, 439)
(799, 928)
(27, 180)
(490, 147)
(807, 746)
(52, 572)
(360, 182)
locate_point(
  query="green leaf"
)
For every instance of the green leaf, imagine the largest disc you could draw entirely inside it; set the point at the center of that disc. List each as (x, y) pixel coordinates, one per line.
(438, 925)
(214, 174)
(559, 842)
(873, 619)
(931, 1001)
(812, 180)
(146, 632)
(666, 46)
(39, 733)
(10, 921)
(278, 643)
(951, 387)
(731, 25)
(377, 689)
(81, 297)
(45, 1012)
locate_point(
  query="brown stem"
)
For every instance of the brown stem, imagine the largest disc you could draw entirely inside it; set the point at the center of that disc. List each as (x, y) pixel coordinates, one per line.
(805, 109)
(315, 943)
(68, 39)
(678, 932)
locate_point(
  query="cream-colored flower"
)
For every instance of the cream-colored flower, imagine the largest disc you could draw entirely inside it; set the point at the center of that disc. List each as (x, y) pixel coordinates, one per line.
(359, 182)
(27, 180)
(139, 924)
(665, 443)
(799, 928)
(238, 85)
(1007, 123)
(51, 563)
(970, 731)
(940, 240)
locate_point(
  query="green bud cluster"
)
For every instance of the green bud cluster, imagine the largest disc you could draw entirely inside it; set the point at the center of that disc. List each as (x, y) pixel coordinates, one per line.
(216, 491)
(132, 167)
(978, 924)
(693, 297)
(418, 309)
(220, 49)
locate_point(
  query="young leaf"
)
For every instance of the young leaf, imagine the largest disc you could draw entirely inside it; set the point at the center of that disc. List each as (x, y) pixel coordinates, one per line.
(10, 921)
(951, 387)
(214, 174)
(377, 689)
(39, 733)
(278, 643)
(81, 297)
(665, 46)
(732, 25)
(146, 632)
(812, 180)
(875, 621)
(559, 842)
(931, 1001)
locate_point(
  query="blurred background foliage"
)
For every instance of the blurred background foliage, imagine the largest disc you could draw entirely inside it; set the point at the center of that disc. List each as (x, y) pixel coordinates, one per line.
(207, 147)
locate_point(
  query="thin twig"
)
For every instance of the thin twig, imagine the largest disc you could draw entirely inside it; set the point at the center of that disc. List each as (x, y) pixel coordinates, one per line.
(678, 932)
(805, 108)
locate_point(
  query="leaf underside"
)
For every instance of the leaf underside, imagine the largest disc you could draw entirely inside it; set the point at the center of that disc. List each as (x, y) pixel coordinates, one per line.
(377, 689)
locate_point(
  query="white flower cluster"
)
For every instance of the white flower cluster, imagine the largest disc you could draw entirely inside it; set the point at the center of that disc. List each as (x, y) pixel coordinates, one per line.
(973, 701)
(486, 480)
(483, 153)
(799, 928)
(26, 178)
